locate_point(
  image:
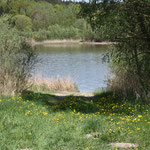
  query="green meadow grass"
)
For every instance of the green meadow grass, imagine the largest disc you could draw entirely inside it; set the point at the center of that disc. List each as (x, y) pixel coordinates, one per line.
(46, 122)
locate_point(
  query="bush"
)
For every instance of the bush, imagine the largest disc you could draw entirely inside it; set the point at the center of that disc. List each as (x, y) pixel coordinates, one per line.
(55, 32)
(22, 23)
(16, 60)
(58, 32)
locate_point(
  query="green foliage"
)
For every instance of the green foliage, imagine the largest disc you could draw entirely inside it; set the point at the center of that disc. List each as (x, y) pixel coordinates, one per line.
(22, 23)
(126, 23)
(16, 59)
(58, 32)
(3, 8)
(66, 15)
(42, 15)
(19, 6)
(55, 32)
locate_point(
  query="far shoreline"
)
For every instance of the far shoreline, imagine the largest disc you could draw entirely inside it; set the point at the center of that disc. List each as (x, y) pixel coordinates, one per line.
(33, 42)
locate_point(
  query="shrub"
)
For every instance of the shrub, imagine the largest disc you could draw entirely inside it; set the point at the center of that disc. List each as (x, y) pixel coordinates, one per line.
(16, 60)
(58, 32)
(55, 32)
(22, 23)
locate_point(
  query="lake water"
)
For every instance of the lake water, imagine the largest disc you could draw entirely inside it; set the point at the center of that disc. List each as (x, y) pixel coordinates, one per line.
(83, 63)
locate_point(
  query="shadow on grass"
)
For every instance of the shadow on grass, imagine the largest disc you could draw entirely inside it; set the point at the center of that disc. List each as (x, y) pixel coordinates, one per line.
(103, 103)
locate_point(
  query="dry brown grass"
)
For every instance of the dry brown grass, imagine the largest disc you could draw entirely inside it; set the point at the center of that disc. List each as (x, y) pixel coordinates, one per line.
(55, 84)
(10, 85)
(125, 83)
(7, 85)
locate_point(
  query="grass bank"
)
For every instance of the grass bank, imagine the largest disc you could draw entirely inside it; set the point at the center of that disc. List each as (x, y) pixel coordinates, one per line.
(44, 121)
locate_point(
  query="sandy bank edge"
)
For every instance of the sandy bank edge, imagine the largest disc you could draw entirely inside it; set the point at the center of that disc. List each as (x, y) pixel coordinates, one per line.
(34, 42)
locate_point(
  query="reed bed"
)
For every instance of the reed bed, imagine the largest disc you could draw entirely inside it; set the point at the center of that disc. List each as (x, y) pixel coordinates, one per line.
(55, 84)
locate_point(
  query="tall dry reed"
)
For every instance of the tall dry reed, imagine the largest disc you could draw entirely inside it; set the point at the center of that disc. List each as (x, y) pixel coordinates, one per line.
(55, 84)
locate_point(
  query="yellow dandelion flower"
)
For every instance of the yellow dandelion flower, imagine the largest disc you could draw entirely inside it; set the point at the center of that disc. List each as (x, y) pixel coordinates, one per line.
(139, 116)
(110, 130)
(45, 113)
(129, 132)
(30, 133)
(27, 113)
(138, 129)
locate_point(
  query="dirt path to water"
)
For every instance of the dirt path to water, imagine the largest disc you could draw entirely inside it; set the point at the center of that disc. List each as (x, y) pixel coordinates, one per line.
(65, 94)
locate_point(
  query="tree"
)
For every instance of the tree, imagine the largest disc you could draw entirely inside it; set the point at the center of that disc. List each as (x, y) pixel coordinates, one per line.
(128, 24)
(42, 15)
(19, 6)
(22, 23)
(66, 15)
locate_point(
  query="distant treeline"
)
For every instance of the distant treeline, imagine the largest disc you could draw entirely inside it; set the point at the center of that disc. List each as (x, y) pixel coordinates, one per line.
(47, 19)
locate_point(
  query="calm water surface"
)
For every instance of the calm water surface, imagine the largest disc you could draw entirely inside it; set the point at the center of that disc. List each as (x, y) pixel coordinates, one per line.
(82, 63)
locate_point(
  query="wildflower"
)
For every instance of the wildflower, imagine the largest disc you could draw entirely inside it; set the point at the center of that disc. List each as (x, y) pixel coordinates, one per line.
(0, 100)
(134, 119)
(138, 119)
(27, 113)
(129, 132)
(45, 113)
(139, 116)
(148, 122)
(118, 123)
(110, 130)
(138, 129)
(30, 133)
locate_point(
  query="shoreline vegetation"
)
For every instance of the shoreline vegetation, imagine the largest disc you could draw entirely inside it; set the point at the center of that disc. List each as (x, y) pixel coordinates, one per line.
(53, 85)
(56, 86)
(33, 42)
